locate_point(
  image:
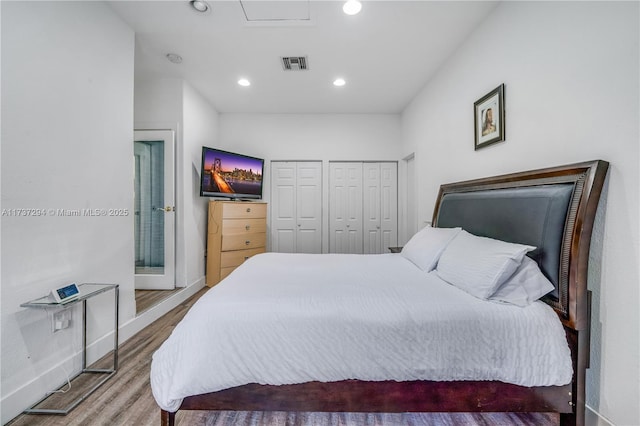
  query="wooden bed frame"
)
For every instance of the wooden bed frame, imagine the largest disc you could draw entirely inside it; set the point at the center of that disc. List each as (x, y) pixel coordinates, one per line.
(573, 309)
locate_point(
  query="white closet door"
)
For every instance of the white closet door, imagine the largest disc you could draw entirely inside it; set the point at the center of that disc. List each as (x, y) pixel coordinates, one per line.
(283, 207)
(371, 208)
(380, 207)
(388, 206)
(296, 207)
(345, 208)
(309, 207)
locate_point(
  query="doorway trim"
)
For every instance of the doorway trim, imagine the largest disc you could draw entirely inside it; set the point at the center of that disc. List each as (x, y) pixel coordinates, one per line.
(410, 199)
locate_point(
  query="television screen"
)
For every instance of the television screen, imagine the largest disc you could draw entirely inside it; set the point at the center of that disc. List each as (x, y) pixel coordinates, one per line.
(230, 175)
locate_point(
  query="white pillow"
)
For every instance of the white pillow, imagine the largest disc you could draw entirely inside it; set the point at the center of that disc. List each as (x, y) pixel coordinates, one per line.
(525, 286)
(479, 265)
(426, 246)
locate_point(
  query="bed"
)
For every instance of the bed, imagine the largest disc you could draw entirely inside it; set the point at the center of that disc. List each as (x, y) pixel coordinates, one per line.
(285, 320)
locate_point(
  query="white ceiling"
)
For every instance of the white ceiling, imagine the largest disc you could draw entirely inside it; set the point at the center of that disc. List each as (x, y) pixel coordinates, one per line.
(386, 53)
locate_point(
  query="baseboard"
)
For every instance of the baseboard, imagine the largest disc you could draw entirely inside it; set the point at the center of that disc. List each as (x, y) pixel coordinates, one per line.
(593, 418)
(147, 317)
(16, 402)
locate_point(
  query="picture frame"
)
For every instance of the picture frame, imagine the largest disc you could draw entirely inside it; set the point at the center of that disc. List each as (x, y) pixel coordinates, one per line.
(489, 118)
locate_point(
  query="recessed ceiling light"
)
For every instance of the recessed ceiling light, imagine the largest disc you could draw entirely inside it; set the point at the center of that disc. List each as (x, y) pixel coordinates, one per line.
(352, 7)
(200, 6)
(244, 82)
(339, 82)
(174, 57)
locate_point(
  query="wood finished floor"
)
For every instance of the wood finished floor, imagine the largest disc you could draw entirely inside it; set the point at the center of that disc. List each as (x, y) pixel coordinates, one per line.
(146, 299)
(126, 399)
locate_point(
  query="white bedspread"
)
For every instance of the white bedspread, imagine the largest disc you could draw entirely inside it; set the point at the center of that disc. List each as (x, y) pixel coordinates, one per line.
(293, 318)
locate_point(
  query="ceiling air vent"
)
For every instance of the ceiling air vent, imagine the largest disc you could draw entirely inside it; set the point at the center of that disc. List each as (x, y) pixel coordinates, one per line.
(294, 63)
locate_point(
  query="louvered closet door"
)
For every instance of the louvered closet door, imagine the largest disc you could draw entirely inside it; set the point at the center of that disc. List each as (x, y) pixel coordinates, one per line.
(296, 207)
(345, 207)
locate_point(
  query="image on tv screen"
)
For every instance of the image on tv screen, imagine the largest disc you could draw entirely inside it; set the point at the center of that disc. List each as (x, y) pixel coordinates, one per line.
(228, 173)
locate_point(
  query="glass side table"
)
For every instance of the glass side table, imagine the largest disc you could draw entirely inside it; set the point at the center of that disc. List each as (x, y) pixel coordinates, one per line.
(87, 291)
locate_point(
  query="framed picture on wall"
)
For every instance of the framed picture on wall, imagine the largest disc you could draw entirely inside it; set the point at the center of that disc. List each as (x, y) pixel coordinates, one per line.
(489, 118)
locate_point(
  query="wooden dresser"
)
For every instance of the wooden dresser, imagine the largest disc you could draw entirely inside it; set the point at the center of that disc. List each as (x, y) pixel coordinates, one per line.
(237, 231)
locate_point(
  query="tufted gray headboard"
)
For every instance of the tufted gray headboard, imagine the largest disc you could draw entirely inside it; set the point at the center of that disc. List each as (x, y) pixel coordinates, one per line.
(552, 209)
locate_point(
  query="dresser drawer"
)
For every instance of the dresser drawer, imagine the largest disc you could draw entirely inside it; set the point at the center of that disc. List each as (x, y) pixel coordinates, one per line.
(244, 210)
(243, 226)
(241, 242)
(237, 257)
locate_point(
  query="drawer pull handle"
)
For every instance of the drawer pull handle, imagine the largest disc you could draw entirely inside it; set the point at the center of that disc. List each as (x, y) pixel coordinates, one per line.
(247, 227)
(248, 209)
(246, 243)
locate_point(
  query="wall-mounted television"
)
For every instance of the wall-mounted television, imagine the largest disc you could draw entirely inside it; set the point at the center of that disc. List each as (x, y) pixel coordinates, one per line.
(230, 175)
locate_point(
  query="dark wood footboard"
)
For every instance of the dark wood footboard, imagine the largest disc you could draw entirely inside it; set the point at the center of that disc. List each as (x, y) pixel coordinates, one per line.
(385, 397)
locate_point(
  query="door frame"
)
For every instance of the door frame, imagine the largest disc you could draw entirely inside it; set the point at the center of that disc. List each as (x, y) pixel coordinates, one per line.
(167, 279)
(410, 204)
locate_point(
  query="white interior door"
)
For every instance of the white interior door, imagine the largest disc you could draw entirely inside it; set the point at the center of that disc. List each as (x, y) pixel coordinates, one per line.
(388, 206)
(154, 211)
(371, 208)
(380, 207)
(309, 207)
(345, 208)
(283, 206)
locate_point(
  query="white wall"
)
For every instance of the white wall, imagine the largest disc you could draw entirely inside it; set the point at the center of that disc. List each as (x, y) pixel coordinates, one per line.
(571, 75)
(67, 115)
(320, 137)
(342, 137)
(200, 129)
